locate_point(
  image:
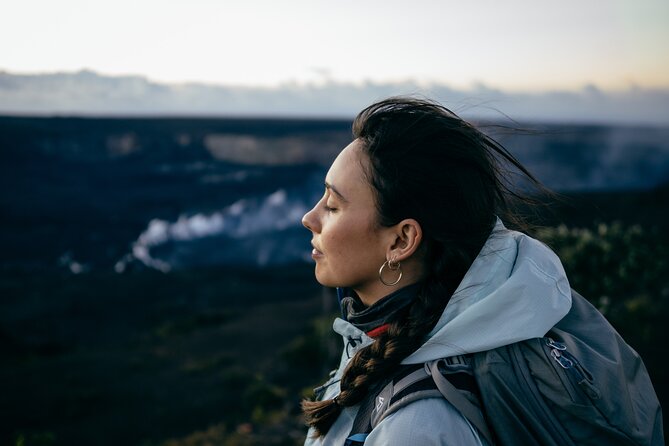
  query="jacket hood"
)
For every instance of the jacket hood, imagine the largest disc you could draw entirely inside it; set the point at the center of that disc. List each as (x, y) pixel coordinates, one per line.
(515, 289)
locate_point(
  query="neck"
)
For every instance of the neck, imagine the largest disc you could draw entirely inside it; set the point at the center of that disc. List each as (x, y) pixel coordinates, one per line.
(384, 310)
(370, 297)
(370, 293)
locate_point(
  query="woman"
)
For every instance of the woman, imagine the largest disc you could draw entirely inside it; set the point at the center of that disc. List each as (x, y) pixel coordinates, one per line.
(409, 230)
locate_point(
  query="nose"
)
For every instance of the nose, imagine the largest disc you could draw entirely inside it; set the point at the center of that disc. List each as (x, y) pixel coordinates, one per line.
(310, 220)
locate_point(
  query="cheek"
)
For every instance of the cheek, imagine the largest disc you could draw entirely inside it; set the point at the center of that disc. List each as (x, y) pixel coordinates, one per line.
(344, 233)
(351, 236)
(337, 245)
(353, 247)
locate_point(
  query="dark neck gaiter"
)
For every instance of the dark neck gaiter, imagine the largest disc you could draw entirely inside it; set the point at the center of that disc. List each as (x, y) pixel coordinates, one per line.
(369, 319)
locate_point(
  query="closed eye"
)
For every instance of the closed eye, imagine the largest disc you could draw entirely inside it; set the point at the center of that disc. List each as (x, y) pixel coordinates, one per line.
(327, 197)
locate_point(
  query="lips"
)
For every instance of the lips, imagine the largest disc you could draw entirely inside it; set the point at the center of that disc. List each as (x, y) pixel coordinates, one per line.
(315, 251)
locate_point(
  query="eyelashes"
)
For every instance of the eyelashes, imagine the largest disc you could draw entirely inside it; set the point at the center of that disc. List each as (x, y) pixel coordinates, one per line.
(325, 202)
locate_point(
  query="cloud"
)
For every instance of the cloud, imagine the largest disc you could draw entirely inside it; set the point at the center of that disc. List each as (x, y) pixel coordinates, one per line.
(89, 93)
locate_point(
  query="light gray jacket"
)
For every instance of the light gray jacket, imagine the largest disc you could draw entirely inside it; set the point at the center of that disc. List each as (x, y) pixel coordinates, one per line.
(516, 289)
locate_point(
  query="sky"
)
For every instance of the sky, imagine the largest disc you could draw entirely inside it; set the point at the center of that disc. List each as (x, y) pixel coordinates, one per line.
(513, 45)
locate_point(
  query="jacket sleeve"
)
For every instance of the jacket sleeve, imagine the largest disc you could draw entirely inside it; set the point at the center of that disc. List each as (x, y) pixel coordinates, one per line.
(427, 422)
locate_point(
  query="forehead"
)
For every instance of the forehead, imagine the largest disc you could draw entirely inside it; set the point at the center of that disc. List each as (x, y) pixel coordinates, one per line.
(347, 172)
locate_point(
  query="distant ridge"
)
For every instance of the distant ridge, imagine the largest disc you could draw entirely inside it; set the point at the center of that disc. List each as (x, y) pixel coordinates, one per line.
(100, 194)
(89, 93)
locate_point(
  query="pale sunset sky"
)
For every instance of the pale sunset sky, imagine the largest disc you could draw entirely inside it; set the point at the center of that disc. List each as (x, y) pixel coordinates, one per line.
(512, 45)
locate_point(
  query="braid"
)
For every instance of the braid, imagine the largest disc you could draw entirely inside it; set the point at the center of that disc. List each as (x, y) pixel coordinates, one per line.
(370, 364)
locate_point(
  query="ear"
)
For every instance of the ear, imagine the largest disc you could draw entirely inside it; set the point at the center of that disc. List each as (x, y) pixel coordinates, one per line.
(407, 237)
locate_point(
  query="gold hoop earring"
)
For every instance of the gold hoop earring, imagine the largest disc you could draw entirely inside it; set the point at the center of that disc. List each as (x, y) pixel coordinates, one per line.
(392, 266)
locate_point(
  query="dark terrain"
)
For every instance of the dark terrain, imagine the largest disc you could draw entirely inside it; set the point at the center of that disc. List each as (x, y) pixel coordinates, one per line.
(220, 350)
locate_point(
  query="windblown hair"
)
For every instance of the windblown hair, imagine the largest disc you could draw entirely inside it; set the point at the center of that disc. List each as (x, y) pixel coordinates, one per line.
(428, 164)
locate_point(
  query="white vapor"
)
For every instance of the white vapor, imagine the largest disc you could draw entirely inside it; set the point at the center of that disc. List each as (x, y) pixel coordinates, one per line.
(243, 219)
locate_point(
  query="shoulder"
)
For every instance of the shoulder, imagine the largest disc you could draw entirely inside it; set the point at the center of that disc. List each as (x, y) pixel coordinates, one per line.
(429, 422)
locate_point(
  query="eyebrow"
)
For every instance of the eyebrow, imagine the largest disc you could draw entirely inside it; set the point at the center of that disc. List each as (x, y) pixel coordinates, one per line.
(333, 189)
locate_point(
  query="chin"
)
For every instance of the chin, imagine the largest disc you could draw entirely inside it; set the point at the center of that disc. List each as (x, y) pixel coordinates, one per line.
(324, 280)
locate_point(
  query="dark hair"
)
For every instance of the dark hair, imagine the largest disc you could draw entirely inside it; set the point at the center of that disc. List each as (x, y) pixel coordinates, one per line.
(428, 164)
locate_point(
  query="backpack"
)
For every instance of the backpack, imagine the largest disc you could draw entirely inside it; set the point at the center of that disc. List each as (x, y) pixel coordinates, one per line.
(581, 384)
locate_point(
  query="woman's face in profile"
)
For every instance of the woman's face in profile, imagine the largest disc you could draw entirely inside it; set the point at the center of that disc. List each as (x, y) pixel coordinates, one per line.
(349, 245)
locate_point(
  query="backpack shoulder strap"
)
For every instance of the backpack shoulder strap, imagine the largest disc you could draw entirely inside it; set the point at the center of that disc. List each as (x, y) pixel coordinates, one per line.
(416, 382)
(415, 386)
(408, 384)
(454, 396)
